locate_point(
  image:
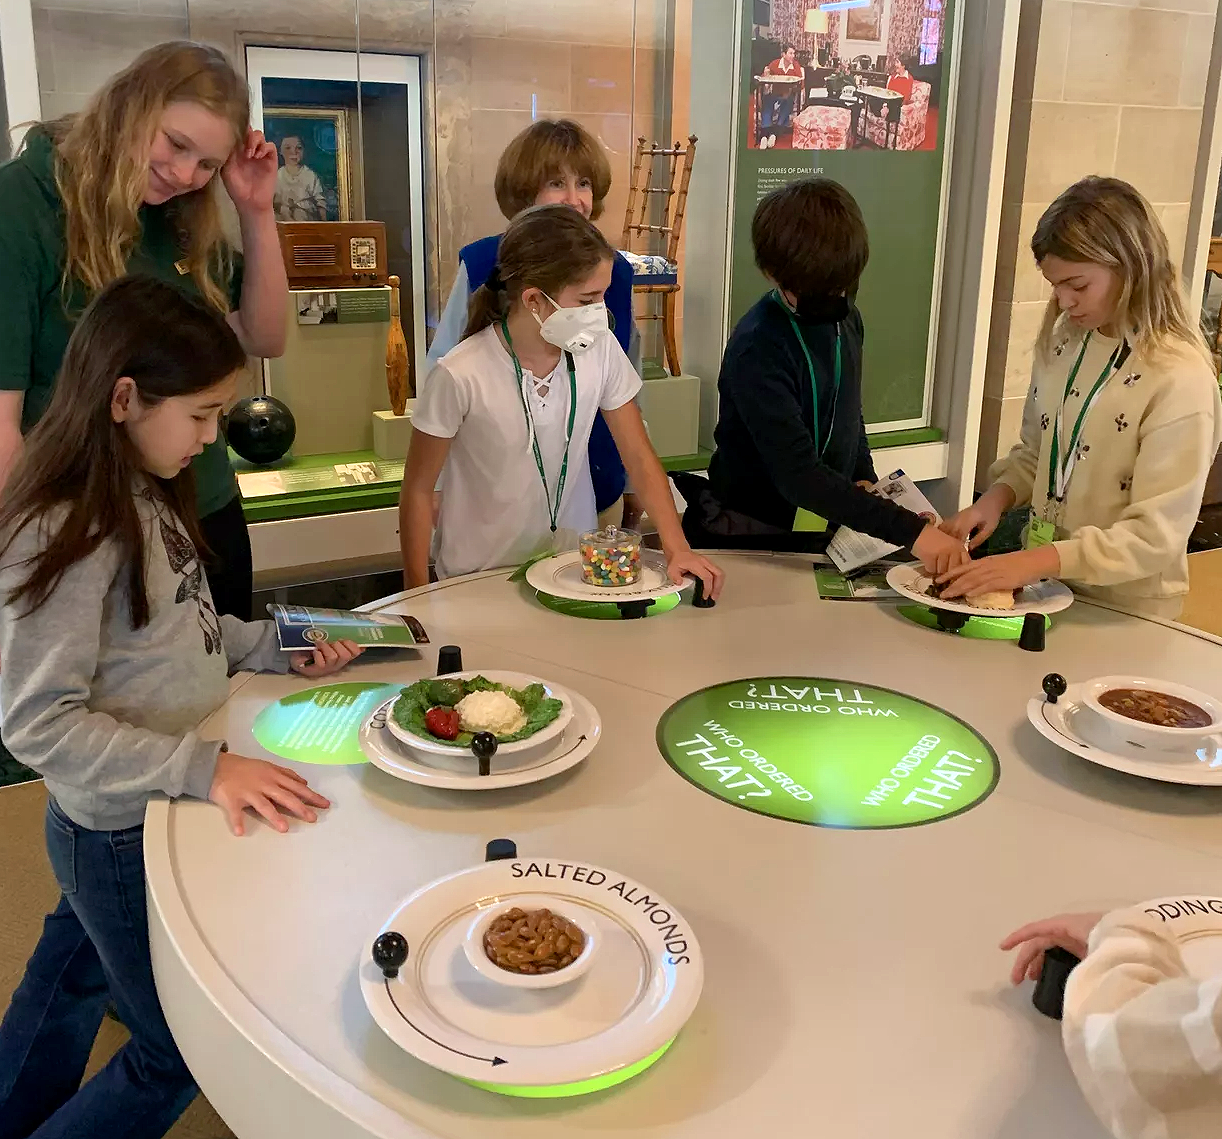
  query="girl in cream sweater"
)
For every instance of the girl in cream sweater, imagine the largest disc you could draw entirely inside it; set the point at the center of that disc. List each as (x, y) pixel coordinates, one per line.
(1142, 1035)
(1122, 420)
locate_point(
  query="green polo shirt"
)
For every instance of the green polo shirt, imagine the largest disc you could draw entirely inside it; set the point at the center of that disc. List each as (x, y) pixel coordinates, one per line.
(34, 324)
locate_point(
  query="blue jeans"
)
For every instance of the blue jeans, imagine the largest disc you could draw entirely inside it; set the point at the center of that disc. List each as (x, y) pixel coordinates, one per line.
(777, 111)
(94, 948)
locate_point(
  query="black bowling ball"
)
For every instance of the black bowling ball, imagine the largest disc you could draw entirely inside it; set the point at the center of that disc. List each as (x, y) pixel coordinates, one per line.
(260, 429)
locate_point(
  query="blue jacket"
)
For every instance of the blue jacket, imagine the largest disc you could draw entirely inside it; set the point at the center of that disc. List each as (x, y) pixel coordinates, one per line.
(606, 469)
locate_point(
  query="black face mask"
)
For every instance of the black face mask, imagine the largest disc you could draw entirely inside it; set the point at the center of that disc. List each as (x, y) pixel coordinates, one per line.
(823, 310)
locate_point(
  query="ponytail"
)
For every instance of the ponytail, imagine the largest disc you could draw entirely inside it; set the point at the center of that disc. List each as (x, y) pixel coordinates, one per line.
(488, 305)
(546, 248)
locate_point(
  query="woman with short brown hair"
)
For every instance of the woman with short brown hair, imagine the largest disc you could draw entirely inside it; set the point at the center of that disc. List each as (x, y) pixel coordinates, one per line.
(554, 162)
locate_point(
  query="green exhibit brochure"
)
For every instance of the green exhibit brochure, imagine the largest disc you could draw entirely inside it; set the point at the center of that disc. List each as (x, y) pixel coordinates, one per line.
(871, 586)
(300, 627)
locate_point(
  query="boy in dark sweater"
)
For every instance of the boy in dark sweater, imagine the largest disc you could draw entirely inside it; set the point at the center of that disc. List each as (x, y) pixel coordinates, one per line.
(791, 440)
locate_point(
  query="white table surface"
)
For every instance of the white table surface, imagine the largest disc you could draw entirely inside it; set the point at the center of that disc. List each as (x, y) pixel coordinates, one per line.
(853, 986)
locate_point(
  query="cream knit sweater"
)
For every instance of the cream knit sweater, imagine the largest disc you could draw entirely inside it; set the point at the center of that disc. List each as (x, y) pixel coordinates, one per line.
(1144, 454)
(1144, 1038)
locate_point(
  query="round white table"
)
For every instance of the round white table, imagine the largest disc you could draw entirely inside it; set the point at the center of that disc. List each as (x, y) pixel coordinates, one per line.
(853, 986)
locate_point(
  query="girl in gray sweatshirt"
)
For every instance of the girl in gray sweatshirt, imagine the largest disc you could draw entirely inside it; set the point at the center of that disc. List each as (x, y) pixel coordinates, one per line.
(113, 654)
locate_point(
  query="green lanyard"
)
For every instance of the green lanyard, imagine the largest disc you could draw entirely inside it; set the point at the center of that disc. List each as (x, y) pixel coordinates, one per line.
(1060, 470)
(553, 508)
(820, 451)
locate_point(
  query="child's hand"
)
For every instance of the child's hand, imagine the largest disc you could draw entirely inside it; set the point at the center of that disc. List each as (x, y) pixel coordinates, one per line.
(266, 788)
(326, 659)
(250, 174)
(939, 552)
(979, 520)
(679, 565)
(1067, 931)
(1001, 571)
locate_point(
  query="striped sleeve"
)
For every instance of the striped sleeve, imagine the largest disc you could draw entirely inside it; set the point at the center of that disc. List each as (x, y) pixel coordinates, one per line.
(1144, 1039)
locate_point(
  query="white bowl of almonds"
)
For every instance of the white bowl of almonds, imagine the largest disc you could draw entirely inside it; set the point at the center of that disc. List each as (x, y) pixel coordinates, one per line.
(531, 942)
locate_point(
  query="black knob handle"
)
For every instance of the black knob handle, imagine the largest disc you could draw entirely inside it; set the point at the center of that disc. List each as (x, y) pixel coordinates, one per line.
(484, 745)
(951, 621)
(1055, 686)
(390, 953)
(1049, 995)
(449, 660)
(500, 850)
(1032, 636)
(699, 601)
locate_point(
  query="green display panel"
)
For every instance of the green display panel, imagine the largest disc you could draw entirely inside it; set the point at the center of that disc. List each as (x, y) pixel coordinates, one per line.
(829, 753)
(892, 163)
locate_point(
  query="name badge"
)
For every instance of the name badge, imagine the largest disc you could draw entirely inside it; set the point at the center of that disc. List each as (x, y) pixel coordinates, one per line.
(1040, 532)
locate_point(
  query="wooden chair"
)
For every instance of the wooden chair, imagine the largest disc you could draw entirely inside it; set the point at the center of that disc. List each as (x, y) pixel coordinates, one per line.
(647, 222)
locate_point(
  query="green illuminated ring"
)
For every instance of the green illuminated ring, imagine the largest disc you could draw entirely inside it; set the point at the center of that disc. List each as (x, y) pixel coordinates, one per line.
(603, 610)
(581, 1087)
(980, 628)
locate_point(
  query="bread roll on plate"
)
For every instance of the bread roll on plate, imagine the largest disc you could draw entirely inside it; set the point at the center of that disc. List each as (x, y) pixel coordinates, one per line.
(991, 599)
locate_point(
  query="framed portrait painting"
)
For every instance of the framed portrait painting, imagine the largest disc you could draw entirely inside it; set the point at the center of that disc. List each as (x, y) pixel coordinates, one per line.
(865, 23)
(313, 182)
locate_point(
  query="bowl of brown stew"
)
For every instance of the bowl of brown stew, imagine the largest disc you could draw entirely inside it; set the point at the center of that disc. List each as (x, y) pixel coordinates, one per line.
(1155, 714)
(532, 942)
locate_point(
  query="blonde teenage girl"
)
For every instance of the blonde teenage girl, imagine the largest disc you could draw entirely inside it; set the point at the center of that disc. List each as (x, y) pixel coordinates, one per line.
(1122, 421)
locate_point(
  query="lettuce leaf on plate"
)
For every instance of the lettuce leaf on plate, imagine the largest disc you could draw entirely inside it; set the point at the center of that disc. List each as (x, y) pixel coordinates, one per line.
(413, 704)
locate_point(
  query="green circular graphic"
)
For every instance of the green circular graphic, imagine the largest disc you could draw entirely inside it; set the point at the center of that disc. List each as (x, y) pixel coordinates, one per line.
(827, 753)
(321, 725)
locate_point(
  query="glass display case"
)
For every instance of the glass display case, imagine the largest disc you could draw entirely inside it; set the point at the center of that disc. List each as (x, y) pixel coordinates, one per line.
(396, 113)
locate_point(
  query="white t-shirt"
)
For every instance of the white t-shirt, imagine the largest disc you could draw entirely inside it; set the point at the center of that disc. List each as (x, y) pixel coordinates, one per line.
(494, 511)
(299, 195)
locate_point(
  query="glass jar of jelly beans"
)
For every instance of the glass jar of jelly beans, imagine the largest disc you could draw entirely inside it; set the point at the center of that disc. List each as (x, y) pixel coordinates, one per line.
(611, 557)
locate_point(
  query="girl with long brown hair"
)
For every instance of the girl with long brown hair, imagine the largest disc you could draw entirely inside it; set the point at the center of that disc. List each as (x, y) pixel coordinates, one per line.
(113, 654)
(1122, 420)
(508, 414)
(129, 184)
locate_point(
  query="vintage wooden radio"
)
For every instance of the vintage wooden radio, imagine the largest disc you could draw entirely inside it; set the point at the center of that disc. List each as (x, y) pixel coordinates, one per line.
(333, 254)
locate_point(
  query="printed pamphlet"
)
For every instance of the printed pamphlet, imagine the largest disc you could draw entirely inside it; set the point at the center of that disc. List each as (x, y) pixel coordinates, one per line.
(300, 627)
(850, 550)
(869, 586)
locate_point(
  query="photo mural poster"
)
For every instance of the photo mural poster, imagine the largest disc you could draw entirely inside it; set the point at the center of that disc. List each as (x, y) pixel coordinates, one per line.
(858, 91)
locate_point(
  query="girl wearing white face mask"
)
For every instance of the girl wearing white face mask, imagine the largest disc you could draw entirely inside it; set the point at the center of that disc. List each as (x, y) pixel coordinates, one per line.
(508, 414)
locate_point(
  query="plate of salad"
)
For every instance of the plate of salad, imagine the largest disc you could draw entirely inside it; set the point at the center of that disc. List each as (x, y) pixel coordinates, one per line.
(444, 714)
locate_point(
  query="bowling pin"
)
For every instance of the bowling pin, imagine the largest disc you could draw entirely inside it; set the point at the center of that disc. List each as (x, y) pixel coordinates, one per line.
(399, 379)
